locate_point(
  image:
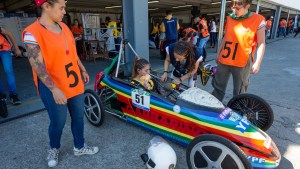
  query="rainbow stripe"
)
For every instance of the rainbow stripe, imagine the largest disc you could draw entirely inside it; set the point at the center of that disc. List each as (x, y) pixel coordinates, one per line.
(189, 123)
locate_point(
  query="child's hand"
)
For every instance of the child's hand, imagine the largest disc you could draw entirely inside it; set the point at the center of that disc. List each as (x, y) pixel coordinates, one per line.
(145, 80)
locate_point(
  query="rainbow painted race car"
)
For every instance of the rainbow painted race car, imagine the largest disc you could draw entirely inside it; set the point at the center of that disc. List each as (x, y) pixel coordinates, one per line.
(216, 136)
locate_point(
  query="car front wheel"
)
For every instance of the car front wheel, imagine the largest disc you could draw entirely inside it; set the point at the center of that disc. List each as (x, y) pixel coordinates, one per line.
(93, 108)
(210, 151)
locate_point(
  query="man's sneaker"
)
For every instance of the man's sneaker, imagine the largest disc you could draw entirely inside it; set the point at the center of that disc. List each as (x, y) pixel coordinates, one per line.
(53, 157)
(85, 150)
(14, 99)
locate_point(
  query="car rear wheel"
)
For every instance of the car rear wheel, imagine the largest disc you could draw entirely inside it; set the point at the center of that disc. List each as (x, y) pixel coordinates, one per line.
(93, 108)
(256, 109)
(210, 151)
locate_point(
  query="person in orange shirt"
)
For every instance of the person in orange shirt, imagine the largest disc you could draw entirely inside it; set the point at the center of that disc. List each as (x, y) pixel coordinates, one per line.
(268, 26)
(7, 62)
(234, 55)
(282, 28)
(77, 29)
(290, 26)
(203, 33)
(58, 75)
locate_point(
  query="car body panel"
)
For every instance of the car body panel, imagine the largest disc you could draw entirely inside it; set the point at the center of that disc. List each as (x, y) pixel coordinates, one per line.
(188, 123)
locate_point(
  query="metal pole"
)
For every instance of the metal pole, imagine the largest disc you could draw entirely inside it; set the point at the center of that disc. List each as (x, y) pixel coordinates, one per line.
(222, 18)
(132, 49)
(257, 7)
(287, 21)
(119, 59)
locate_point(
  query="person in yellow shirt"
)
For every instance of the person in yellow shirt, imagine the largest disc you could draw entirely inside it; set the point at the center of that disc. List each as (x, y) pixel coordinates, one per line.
(113, 25)
(141, 74)
(155, 29)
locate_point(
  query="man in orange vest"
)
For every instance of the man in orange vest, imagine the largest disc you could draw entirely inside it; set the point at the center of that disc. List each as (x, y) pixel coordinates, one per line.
(242, 28)
(282, 27)
(289, 26)
(268, 26)
(6, 58)
(203, 33)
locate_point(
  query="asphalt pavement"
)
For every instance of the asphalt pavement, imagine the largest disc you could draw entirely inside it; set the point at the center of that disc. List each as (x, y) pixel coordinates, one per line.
(24, 139)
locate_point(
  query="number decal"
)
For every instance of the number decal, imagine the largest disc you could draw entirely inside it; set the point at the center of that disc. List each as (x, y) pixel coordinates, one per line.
(137, 98)
(140, 99)
(227, 46)
(71, 72)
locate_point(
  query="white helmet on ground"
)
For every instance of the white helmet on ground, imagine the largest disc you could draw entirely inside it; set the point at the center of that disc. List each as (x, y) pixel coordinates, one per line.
(160, 155)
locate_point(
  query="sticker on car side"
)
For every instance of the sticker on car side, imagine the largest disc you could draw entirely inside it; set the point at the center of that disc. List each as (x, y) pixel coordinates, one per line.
(224, 113)
(141, 99)
(243, 125)
(234, 116)
(176, 109)
(256, 160)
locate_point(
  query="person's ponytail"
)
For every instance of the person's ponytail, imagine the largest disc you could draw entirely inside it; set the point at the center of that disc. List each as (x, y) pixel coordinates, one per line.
(186, 49)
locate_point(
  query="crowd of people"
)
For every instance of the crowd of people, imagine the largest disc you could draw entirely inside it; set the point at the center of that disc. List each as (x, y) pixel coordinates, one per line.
(235, 55)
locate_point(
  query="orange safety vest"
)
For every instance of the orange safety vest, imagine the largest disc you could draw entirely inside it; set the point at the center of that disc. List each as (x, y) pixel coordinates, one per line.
(205, 33)
(4, 44)
(268, 25)
(61, 64)
(188, 32)
(239, 39)
(283, 23)
(290, 23)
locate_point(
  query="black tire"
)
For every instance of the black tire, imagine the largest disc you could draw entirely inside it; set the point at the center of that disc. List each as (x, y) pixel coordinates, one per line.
(213, 146)
(93, 108)
(256, 109)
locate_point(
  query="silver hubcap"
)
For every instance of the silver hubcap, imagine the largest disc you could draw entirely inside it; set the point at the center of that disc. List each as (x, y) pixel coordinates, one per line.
(92, 108)
(225, 151)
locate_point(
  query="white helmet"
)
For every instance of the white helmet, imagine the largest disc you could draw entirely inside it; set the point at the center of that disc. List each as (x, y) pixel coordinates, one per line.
(160, 155)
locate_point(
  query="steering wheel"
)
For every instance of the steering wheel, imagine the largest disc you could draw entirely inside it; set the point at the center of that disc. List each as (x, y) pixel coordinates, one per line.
(175, 92)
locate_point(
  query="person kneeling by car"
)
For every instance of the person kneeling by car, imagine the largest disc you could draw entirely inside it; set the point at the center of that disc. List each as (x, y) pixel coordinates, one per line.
(185, 58)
